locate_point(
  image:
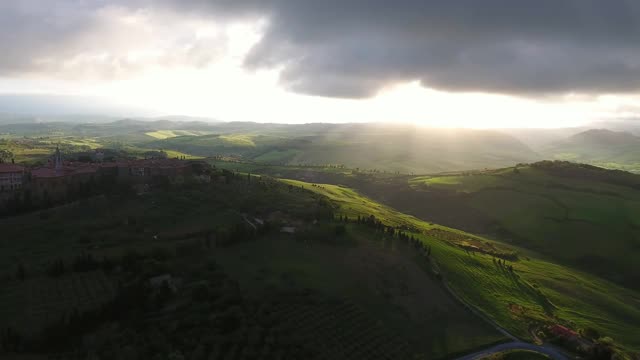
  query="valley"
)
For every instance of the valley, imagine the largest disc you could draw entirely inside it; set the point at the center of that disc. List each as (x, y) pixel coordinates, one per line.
(441, 265)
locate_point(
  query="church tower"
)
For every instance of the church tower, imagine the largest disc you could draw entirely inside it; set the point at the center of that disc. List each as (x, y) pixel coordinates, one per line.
(57, 161)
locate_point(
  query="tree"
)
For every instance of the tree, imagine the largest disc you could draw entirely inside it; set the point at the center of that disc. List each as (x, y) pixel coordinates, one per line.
(590, 333)
(176, 355)
(5, 156)
(601, 349)
(21, 274)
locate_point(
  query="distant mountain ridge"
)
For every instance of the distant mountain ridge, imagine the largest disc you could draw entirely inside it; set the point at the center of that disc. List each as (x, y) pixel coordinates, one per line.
(603, 137)
(602, 147)
(381, 147)
(406, 149)
(389, 147)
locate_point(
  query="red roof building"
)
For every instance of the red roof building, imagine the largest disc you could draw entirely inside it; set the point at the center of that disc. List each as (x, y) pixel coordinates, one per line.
(562, 331)
(12, 177)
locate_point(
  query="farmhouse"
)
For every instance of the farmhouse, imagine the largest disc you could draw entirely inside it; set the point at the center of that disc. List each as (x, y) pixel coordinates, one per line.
(563, 332)
(12, 177)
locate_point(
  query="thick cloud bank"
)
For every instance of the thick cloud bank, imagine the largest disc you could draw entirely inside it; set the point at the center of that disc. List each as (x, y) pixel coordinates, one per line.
(353, 48)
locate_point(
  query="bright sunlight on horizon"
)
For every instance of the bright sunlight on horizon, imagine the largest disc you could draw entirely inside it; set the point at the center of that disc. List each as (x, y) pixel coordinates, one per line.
(169, 63)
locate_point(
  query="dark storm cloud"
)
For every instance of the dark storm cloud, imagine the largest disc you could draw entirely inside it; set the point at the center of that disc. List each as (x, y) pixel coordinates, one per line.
(353, 48)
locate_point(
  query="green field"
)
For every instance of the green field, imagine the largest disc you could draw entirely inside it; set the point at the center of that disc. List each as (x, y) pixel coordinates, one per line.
(600, 147)
(538, 291)
(403, 148)
(166, 134)
(586, 220)
(381, 148)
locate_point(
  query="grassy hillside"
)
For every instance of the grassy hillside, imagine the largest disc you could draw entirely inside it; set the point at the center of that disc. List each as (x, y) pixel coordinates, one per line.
(583, 216)
(356, 295)
(562, 210)
(381, 275)
(383, 280)
(606, 148)
(539, 291)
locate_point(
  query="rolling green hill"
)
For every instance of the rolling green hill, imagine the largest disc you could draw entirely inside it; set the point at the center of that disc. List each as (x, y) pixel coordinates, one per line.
(384, 280)
(606, 148)
(404, 149)
(578, 216)
(360, 294)
(581, 215)
(540, 291)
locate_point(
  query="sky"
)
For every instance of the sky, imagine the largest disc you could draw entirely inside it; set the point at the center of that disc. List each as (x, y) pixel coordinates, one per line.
(464, 63)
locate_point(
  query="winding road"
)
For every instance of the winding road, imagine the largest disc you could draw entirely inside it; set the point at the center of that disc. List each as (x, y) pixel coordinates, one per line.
(516, 345)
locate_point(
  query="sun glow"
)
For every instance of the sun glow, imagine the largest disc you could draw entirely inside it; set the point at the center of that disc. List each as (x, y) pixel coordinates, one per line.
(224, 89)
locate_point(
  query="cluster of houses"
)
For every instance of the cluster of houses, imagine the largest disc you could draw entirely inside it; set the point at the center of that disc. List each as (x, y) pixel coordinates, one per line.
(57, 176)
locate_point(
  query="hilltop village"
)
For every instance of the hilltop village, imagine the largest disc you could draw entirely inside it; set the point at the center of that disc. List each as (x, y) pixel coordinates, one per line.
(60, 179)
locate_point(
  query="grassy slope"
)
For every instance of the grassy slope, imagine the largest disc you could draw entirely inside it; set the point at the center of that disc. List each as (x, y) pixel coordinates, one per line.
(380, 276)
(584, 222)
(610, 149)
(576, 298)
(364, 269)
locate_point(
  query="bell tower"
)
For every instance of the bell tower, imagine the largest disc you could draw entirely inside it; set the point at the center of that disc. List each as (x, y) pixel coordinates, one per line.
(57, 161)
